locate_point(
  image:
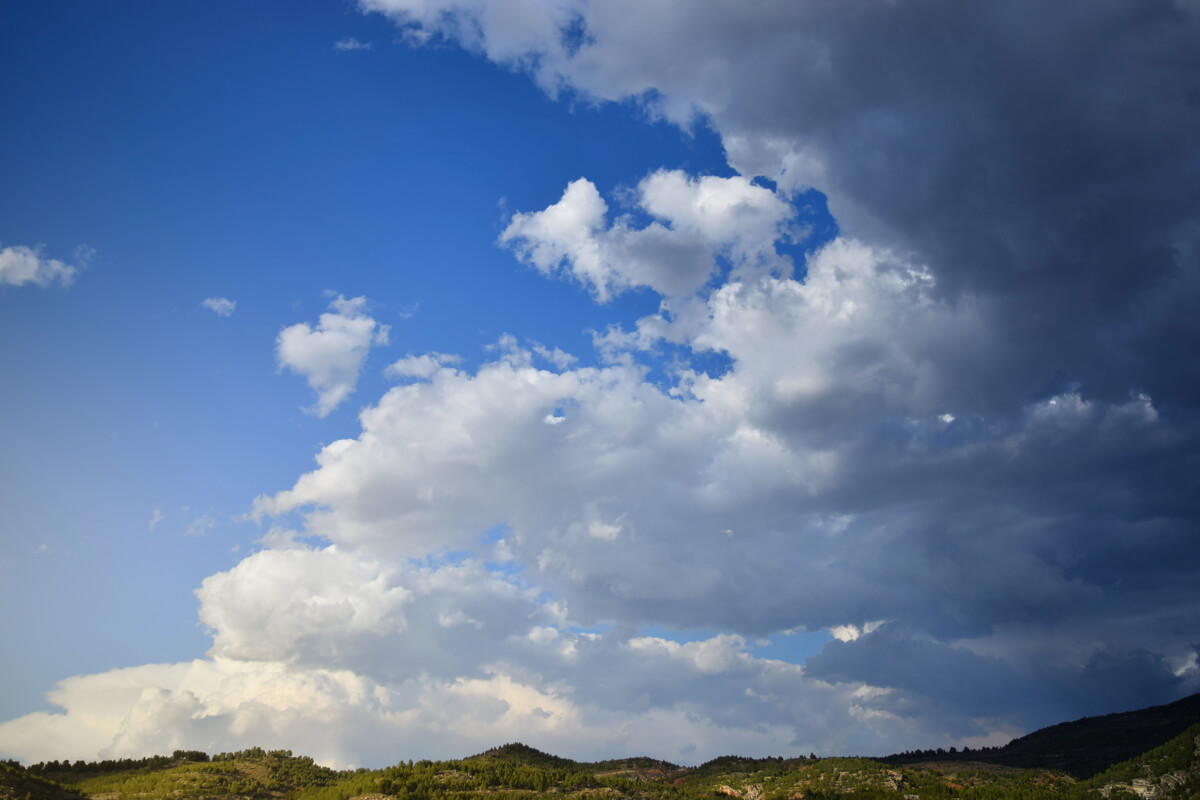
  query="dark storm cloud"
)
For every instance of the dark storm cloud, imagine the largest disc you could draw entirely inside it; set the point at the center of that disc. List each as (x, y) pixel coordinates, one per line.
(963, 687)
(1042, 156)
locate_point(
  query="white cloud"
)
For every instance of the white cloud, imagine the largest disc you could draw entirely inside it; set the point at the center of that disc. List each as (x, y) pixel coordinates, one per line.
(566, 231)
(722, 212)
(221, 306)
(423, 366)
(849, 633)
(21, 265)
(331, 354)
(276, 603)
(344, 719)
(200, 525)
(156, 518)
(350, 43)
(818, 366)
(696, 221)
(354, 660)
(139, 710)
(454, 454)
(556, 357)
(711, 656)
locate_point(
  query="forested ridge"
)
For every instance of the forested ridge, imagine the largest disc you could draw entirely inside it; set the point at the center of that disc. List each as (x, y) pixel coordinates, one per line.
(1083, 747)
(1170, 771)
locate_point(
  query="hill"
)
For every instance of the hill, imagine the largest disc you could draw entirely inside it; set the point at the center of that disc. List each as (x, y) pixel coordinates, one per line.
(1084, 747)
(518, 753)
(1044, 765)
(18, 784)
(1168, 772)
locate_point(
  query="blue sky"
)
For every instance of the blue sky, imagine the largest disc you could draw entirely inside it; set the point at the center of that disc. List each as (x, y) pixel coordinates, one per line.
(251, 160)
(624, 442)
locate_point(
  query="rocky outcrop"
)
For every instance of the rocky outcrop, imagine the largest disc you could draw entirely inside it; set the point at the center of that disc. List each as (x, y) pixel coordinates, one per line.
(1154, 787)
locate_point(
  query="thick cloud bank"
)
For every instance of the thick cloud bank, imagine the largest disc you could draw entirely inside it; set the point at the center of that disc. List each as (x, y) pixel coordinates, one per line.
(960, 437)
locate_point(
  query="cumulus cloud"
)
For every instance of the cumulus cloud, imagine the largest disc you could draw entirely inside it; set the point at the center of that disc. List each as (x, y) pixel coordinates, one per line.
(276, 601)
(21, 265)
(695, 221)
(825, 447)
(221, 306)
(331, 354)
(148, 708)
(700, 433)
(345, 720)
(423, 366)
(476, 658)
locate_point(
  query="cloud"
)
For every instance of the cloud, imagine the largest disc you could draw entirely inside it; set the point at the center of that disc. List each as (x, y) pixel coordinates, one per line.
(274, 603)
(1002, 155)
(21, 265)
(156, 518)
(696, 221)
(350, 43)
(970, 687)
(972, 414)
(330, 355)
(850, 633)
(826, 447)
(424, 366)
(221, 306)
(440, 659)
(556, 357)
(987, 368)
(200, 525)
(343, 719)
(144, 709)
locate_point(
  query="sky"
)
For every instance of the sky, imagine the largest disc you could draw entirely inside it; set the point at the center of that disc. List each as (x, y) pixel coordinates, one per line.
(398, 378)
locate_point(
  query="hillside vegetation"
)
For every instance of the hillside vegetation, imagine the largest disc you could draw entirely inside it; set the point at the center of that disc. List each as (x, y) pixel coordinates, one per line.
(1168, 771)
(1084, 747)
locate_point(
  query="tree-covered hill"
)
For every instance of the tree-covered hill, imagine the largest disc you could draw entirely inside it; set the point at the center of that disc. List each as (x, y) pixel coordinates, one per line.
(1164, 770)
(20, 784)
(1082, 748)
(1168, 772)
(516, 772)
(518, 753)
